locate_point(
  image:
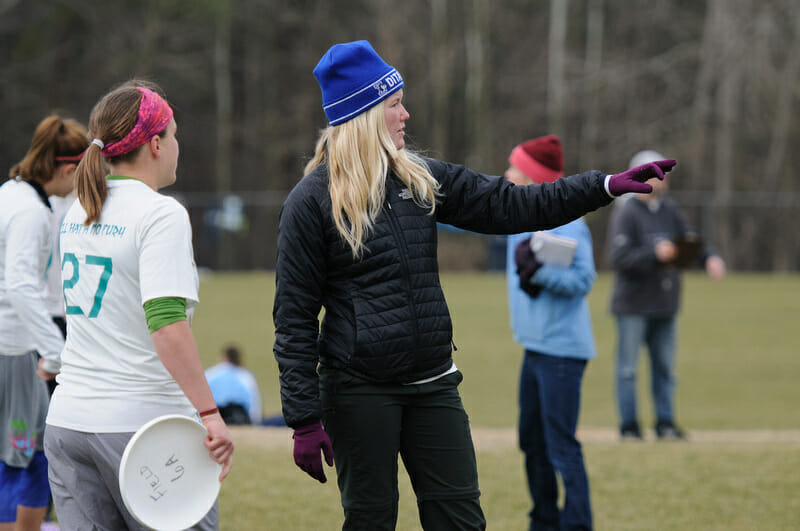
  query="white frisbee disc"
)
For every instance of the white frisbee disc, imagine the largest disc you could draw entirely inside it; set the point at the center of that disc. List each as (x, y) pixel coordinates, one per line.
(166, 477)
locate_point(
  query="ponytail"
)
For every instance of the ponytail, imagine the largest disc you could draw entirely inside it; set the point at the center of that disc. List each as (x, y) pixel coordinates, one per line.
(117, 123)
(53, 138)
(90, 183)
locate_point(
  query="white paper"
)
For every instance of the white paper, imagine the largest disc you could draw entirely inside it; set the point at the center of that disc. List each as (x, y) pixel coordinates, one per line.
(552, 249)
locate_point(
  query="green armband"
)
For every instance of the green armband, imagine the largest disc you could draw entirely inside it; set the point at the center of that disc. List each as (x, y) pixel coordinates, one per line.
(163, 311)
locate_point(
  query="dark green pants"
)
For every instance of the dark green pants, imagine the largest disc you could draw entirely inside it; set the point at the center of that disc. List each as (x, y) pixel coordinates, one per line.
(370, 424)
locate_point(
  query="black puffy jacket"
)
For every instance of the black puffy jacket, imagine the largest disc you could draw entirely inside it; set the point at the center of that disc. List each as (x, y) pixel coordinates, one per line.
(386, 318)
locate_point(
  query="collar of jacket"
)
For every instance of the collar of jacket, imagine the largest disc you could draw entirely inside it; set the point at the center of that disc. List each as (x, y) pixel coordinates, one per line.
(40, 191)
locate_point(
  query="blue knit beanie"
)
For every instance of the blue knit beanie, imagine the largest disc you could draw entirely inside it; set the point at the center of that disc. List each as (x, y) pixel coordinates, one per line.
(353, 78)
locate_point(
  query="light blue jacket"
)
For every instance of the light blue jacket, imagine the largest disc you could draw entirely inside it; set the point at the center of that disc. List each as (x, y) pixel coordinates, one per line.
(557, 321)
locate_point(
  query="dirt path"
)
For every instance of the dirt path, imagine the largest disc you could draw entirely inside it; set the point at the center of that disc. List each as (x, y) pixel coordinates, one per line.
(500, 439)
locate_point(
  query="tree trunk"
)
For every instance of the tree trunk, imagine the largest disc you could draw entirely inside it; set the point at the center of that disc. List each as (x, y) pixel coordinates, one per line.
(702, 96)
(591, 70)
(441, 73)
(556, 65)
(783, 250)
(727, 111)
(782, 122)
(476, 37)
(224, 107)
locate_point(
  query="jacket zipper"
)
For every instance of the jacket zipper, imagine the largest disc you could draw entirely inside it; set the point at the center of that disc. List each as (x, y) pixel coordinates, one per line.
(398, 234)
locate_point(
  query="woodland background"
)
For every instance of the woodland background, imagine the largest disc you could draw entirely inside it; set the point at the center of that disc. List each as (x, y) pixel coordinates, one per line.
(712, 83)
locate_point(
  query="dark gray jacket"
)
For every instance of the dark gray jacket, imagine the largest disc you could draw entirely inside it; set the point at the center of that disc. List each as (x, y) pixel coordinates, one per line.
(643, 285)
(385, 317)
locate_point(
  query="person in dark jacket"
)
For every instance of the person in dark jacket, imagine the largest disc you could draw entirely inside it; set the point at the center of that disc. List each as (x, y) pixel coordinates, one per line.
(357, 238)
(646, 297)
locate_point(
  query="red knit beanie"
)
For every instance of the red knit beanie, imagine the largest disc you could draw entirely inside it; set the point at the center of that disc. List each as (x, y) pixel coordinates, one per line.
(541, 159)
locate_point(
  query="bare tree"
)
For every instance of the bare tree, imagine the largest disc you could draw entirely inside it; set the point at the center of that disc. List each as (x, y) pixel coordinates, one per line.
(556, 85)
(707, 54)
(476, 38)
(714, 83)
(727, 114)
(441, 72)
(782, 122)
(224, 107)
(784, 248)
(592, 82)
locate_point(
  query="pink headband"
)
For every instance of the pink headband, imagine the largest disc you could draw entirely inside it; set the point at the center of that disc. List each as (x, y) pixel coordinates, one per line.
(531, 167)
(154, 115)
(71, 158)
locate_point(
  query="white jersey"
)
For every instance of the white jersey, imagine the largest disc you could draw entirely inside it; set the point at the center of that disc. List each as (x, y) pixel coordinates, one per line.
(26, 246)
(140, 249)
(55, 295)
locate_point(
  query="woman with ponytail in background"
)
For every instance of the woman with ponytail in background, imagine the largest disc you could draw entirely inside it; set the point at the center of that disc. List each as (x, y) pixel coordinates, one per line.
(26, 327)
(130, 285)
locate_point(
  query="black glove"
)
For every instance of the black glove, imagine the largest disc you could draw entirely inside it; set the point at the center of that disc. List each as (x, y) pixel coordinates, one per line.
(527, 265)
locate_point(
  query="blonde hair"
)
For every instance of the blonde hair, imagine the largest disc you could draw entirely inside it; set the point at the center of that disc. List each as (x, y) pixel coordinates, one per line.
(359, 154)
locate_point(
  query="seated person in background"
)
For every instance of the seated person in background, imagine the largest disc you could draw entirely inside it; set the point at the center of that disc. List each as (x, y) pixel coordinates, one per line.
(235, 389)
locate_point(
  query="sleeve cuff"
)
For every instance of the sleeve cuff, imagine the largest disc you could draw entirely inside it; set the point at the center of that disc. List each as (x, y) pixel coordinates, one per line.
(605, 185)
(51, 366)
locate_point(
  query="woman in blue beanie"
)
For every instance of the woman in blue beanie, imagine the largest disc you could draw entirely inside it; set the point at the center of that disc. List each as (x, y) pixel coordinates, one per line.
(357, 237)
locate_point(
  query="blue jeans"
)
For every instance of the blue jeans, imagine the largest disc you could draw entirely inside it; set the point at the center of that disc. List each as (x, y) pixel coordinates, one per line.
(549, 402)
(659, 336)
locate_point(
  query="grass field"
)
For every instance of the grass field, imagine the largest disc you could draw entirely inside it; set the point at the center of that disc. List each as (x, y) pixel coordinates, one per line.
(738, 367)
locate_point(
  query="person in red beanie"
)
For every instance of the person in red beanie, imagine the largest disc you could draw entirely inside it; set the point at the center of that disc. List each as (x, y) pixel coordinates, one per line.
(547, 290)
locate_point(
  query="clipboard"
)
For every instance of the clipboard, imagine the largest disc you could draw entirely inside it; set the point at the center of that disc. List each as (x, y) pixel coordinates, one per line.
(689, 248)
(553, 249)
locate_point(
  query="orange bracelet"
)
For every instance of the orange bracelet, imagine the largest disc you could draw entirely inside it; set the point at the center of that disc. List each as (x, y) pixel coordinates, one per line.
(208, 412)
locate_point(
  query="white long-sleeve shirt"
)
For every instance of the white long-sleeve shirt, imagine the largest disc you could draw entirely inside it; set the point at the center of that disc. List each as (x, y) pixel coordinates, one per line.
(26, 247)
(55, 290)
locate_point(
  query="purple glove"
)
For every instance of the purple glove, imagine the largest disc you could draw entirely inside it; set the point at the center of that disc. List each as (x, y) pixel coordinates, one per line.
(635, 179)
(308, 440)
(527, 265)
